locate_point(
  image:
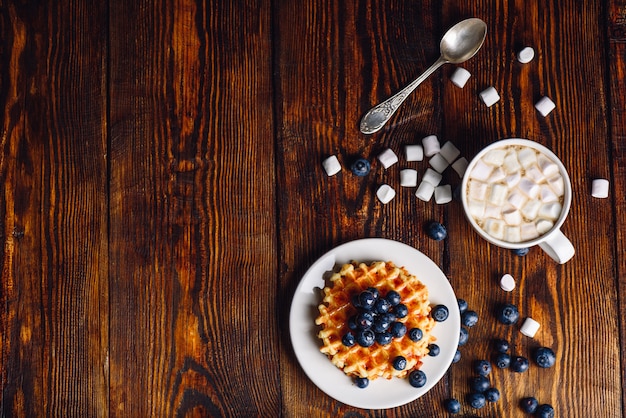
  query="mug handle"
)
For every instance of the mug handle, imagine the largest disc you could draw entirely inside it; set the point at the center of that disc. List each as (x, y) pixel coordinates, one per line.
(558, 246)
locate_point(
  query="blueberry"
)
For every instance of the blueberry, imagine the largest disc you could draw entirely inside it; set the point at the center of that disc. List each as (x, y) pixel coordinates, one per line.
(436, 231)
(393, 297)
(462, 305)
(415, 334)
(361, 382)
(544, 357)
(417, 378)
(452, 406)
(545, 411)
(439, 313)
(352, 323)
(399, 363)
(492, 395)
(476, 400)
(400, 310)
(355, 301)
(433, 350)
(457, 356)
(397, 329)
(507, 314)
(479, 384)
(374, 291)
(364, 320)
(519, 364)
(482, 367)
(521, 251)
(529, 405)
(382, 306)
(381, 324)
(360, 167)
(366, 300)
(463, 336)
(501, 346)
(383, 338)
(348, 339)
(365, 337)
(469, 318)
(502, 360)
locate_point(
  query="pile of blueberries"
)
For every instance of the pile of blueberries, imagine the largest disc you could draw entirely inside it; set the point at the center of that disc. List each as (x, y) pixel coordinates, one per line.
(377, 322)
(481, 390)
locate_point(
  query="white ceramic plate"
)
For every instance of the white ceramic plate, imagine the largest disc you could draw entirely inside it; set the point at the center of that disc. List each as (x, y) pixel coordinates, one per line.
(381, 393)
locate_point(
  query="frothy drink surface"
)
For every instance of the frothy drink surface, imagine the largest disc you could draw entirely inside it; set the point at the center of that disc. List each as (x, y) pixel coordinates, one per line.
(515, 193)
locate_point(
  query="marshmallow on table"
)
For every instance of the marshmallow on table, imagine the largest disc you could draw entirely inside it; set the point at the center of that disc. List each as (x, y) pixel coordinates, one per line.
(431, 145)
(507, 283)
(432, 177)
(460, 166)
(449, 151)
(425, 191)
(460, 76)
(600, 188)
(490, 96)
(526, 55)
(387, 158)
(529, 327)
(408, 177)
(414, 152)
(443, 194)
(331, 165)
(385, 193)
(545, 106)
(439, 163)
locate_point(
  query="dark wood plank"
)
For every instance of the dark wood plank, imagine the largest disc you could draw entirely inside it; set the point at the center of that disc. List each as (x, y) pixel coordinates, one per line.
(193, 242)
(53, 169)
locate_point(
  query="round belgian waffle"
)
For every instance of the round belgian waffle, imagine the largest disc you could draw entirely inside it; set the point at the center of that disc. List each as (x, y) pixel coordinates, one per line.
(374, 361)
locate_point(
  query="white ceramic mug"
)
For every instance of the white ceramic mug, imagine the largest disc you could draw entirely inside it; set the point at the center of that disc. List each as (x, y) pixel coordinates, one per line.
(552, 241)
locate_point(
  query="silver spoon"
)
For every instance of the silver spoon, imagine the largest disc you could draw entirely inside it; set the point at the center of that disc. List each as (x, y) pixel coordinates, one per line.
(460, 43)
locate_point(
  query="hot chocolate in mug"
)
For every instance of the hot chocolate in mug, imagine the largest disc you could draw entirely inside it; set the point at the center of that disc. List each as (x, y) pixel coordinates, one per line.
(516, 194)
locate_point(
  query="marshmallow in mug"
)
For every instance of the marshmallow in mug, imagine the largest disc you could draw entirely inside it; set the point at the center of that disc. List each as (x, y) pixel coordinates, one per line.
(515, 193)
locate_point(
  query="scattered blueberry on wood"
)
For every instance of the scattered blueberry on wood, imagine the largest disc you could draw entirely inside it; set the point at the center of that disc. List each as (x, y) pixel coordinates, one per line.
(436, 231)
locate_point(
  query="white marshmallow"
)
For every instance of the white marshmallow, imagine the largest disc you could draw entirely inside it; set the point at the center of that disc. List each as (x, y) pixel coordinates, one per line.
(497, 175)
(460, 76)
(497, 194)
(547, 166)
(528, 187)
(495, 157)
(476, 208)
(531, 209)
(512, 233)
(425, 191)
(511, 163)
(535, 174)
(438, 163)
(477, 190)
(513, 179)
(331, 165)
(432, 177)
(529, 231)
(543, 226)
(490, 96)
(600, 188)
(526, 55)
(545, 106)
(460, 166)
(517, 199)
(387, 158)
(527, 157)
(493, 211)
(385, 193)
(558, 185)
(512, 216)
(443, 194)
(529, 327)
(449, 151)
(481, 171)
(507, 283)
(431, 145)
(414, 152)
(408, 177)
(546, 194)
(550, 210)
(495, 228)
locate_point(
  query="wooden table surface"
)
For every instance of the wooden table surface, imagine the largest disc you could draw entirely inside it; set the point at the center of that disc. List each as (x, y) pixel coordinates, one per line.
(162, 195)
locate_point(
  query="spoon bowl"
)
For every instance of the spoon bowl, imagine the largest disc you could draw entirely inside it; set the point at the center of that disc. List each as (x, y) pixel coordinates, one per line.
(460, 43)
